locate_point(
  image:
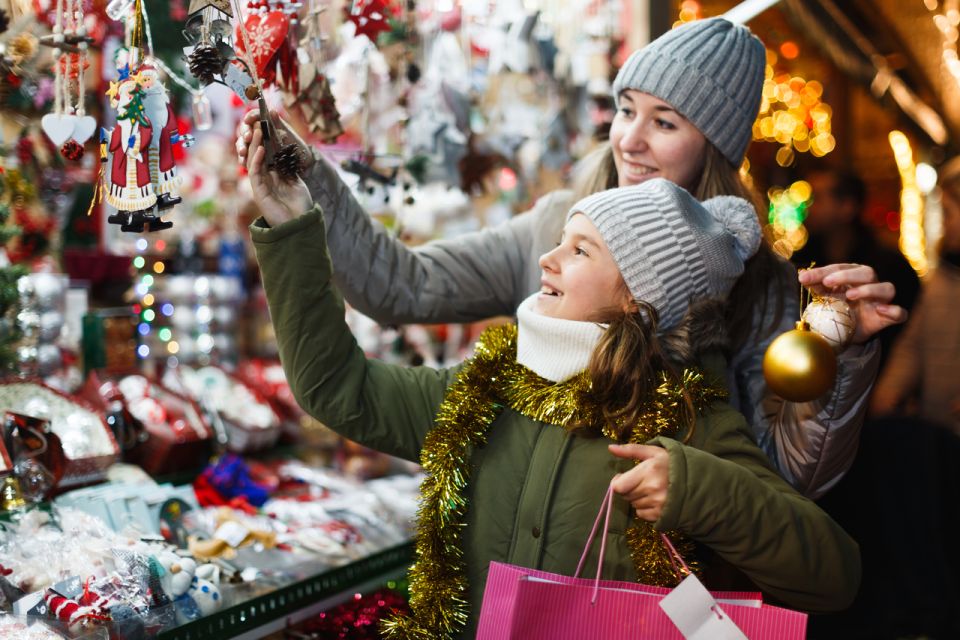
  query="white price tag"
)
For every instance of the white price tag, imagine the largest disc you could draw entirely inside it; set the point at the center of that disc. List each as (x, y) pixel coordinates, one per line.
(697, 615)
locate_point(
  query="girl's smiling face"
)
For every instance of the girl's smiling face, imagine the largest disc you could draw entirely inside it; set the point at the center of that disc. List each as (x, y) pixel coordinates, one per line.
(580, 277)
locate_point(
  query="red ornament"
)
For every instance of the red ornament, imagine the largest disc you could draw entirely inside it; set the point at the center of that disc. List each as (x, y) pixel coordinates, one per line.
(72, 150)
(267, 35)
(371, 17)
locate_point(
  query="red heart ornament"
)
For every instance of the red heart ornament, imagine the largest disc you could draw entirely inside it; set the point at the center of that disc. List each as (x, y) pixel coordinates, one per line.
(266, 34)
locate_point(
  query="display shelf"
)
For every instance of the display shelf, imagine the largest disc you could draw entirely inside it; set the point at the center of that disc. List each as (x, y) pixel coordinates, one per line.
(296, 602)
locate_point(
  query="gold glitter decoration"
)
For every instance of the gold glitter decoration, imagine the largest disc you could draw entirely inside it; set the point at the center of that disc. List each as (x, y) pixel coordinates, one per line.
(487, 384)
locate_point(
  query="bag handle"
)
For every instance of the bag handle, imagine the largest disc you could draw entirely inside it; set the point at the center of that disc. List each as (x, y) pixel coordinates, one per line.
(605, 508)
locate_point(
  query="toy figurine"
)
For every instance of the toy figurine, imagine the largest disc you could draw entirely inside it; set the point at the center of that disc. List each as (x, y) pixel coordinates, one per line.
(143, 174)
(163, 170)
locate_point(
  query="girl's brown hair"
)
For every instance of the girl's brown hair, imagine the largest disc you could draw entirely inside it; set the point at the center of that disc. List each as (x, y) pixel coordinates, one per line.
(625, 371)
(760, 292)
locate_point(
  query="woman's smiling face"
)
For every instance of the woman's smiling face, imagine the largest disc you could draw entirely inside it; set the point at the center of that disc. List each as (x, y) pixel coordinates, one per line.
(651, 140)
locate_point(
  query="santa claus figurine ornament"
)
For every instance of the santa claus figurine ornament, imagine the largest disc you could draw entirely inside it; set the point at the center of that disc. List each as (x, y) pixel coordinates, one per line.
(142, 179)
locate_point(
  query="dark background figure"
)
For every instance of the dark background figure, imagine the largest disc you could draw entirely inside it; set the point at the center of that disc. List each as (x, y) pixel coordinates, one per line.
(838, 234)
(900, 498)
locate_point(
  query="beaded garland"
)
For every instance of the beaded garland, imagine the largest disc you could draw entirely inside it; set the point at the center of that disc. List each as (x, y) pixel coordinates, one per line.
(490, 382)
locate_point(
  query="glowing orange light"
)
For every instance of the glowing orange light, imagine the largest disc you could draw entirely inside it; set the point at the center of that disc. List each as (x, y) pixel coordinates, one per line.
(789, 50)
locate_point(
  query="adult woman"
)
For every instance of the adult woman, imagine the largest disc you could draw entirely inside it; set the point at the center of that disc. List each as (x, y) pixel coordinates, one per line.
(687, 103)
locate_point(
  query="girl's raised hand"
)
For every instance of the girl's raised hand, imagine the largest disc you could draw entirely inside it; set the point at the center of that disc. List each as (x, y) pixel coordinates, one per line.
(278, 201)
(645, 486)
(870, 299)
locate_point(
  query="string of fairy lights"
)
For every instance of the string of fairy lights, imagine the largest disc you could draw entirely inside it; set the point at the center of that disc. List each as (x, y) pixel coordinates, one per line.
(948, 23)
(912, 239)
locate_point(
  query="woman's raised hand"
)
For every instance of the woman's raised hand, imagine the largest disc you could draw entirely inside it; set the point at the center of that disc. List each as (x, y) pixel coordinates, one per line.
(870, 299)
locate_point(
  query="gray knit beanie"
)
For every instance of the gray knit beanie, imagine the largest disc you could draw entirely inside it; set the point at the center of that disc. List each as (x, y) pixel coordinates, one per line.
(671, 248)
(711, 71)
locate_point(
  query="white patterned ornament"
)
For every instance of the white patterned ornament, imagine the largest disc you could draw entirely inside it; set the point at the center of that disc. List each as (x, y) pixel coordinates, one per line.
(833, 319)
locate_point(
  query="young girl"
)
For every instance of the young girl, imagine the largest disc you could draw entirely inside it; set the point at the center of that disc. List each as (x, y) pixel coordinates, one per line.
(521, 442)
(686, 107)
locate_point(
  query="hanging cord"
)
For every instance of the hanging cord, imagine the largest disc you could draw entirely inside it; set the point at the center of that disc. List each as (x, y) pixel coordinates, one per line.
(58, 62)
(248, 54)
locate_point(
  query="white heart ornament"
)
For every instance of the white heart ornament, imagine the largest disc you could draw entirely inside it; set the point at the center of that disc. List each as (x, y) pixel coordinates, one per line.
(84, 129)
(58, 127)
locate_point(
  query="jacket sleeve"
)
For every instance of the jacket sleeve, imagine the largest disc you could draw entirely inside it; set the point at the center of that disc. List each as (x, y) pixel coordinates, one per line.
(813, 443)
(726, 495)
(385, 407)
(471, 277)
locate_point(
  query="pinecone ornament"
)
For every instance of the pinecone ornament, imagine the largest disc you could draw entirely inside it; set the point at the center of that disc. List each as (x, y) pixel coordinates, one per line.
(288, 162)
(72, 150)
(205, 62)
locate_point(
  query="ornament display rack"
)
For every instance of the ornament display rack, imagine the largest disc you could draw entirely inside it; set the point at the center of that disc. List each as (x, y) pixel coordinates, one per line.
(293, 603)
(287, 605)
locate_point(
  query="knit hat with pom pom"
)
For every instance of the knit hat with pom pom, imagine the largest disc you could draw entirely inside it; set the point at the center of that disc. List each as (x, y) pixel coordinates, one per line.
(672, 249)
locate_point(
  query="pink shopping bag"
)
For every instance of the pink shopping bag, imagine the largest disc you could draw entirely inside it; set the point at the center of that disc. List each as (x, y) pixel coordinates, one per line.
(528, 604)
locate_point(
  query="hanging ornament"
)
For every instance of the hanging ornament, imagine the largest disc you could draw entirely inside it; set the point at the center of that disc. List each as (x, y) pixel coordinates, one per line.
(315, 102)
(142, 179)
(11, 498)
(69, 122)
(831, 317)
(205, 63)
(166, 133)
(202, 112)
(370, 17)
(71, 150)
(285, 158)
(801, 365)
(289, 162)
(264, 36)
(131, 188)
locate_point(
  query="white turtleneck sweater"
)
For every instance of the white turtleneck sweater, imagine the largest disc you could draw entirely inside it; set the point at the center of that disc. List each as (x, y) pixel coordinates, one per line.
(552, 348)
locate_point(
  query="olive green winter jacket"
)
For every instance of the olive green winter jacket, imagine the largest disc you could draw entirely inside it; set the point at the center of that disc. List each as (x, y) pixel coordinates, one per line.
(534, 488)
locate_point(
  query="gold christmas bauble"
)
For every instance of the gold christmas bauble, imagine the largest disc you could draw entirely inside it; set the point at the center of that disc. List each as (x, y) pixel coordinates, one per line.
(833, 319)
(800, 365)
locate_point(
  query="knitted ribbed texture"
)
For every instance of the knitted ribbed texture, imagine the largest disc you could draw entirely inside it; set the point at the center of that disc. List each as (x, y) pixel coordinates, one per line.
(552, 348)
(711, 71)
(670, 248)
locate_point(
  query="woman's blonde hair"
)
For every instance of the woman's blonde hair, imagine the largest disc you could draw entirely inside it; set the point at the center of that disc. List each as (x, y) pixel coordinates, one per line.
(760, 291)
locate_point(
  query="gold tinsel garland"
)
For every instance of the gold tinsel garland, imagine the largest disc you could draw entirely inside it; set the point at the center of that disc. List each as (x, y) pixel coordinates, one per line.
(487, 384)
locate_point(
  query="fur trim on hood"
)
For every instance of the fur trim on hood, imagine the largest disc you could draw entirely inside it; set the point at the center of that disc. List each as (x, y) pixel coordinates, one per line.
(702, 329)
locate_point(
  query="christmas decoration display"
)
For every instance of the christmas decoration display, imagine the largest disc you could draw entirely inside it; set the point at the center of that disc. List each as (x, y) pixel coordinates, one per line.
(142, 179)
(265, 37)
(800, 365)
(831, 317)
(315, 98)
(37, 454)
(10, 331)
(211, 56)
(246, 419)
(357, 619)
(88, 444)
(68, 127)
(370, 18)
(39, 322)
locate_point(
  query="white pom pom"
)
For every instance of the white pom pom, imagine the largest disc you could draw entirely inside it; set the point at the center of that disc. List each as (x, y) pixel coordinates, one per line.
(739, 218)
